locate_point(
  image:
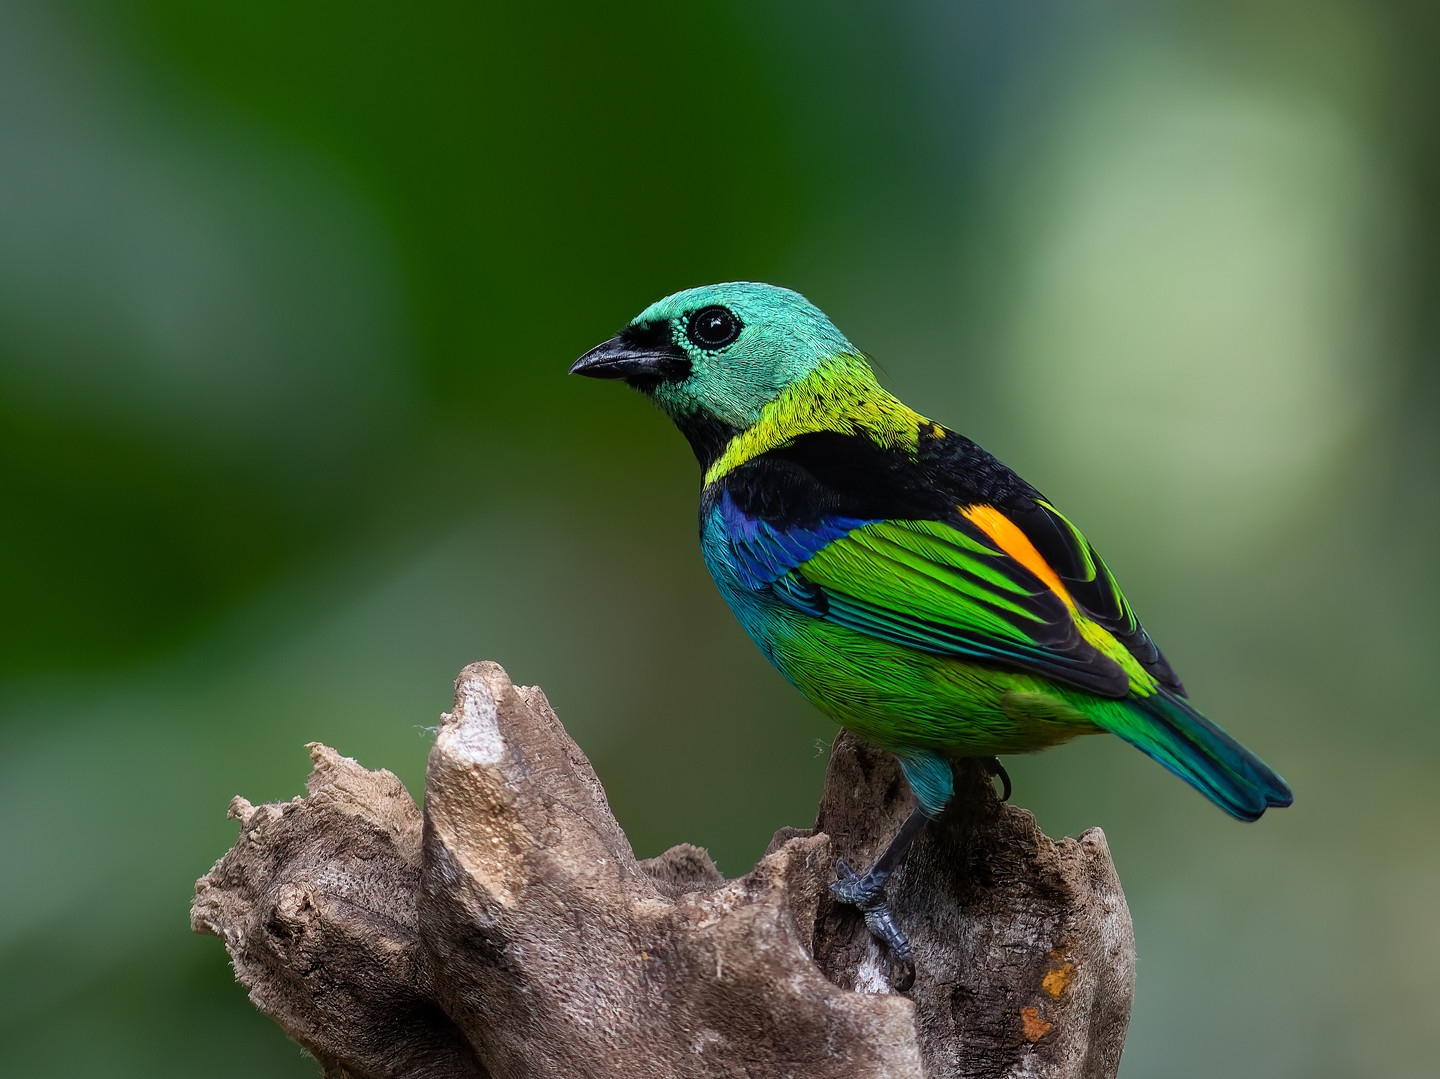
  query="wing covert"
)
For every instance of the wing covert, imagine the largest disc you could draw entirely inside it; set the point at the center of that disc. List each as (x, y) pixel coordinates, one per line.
(1091, 584)
(944, 587)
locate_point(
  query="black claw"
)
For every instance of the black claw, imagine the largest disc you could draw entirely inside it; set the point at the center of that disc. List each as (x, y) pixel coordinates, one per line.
(904, 977)
(864, 893)
(867, 895)
(996, 769)
(881, 923)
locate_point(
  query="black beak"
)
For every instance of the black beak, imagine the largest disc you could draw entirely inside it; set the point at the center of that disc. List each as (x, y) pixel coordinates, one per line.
(632, 361)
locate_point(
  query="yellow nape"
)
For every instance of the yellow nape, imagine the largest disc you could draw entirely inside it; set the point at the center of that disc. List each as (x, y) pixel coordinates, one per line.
(841, 395)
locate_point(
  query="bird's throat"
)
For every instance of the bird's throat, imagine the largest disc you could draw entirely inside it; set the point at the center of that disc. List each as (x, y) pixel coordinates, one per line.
(707, 434)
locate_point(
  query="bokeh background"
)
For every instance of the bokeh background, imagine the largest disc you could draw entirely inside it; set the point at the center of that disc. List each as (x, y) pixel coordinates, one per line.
(287, 294)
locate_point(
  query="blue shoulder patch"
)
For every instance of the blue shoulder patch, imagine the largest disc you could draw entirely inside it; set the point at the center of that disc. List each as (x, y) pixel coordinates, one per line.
(764, 553)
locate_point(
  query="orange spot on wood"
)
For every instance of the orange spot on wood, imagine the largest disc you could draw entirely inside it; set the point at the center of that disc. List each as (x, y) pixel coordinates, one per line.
(1056, 980)
(1035, 1028)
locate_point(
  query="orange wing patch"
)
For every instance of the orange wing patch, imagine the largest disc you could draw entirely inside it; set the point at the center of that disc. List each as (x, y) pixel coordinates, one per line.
(1017, 545)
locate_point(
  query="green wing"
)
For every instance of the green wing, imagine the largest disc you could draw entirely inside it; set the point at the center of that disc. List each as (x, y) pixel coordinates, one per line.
(1021, 588)
(939, 588)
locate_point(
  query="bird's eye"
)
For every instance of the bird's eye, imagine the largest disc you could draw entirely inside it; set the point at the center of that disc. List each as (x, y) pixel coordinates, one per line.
(713, 327)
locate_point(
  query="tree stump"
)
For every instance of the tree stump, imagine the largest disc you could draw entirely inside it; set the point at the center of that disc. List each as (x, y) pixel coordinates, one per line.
(509, 930)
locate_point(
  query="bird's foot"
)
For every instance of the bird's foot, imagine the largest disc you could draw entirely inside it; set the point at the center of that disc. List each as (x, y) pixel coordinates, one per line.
(866, 893)
(997, 771)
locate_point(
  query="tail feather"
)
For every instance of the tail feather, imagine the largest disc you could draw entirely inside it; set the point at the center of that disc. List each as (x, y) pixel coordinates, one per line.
(1170, 731)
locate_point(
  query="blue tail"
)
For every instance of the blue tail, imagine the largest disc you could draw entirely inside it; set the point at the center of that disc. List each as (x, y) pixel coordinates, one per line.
(1167, 729)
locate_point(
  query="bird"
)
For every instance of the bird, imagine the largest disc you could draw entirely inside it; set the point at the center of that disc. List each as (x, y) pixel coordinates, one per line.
(915, 589)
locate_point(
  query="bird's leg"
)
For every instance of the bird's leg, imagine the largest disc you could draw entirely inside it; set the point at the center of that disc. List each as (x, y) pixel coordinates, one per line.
(866, 892)
(996, 769)
(932, 782)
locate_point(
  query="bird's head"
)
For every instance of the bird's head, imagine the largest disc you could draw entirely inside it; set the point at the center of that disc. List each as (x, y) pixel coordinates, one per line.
(713, 357)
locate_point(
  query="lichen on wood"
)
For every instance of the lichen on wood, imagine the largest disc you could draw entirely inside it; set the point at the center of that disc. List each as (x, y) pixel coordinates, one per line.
(510, 931)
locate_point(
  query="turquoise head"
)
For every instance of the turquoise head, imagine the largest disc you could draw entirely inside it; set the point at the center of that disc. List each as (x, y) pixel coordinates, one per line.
(713, 357)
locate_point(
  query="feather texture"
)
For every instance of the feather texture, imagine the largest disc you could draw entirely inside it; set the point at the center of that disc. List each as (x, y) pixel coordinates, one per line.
(952, 624)
(912, 586)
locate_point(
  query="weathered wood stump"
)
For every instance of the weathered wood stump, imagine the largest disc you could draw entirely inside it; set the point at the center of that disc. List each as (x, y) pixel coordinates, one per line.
(510, 931)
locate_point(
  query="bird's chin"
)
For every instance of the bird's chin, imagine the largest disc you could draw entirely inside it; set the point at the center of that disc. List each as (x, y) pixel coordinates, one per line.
(645, 383)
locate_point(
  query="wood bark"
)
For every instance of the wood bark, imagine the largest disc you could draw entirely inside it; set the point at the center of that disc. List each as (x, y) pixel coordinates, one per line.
(509, 931)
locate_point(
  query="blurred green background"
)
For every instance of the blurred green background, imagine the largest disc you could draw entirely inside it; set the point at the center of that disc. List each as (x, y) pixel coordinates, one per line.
(287, 295)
